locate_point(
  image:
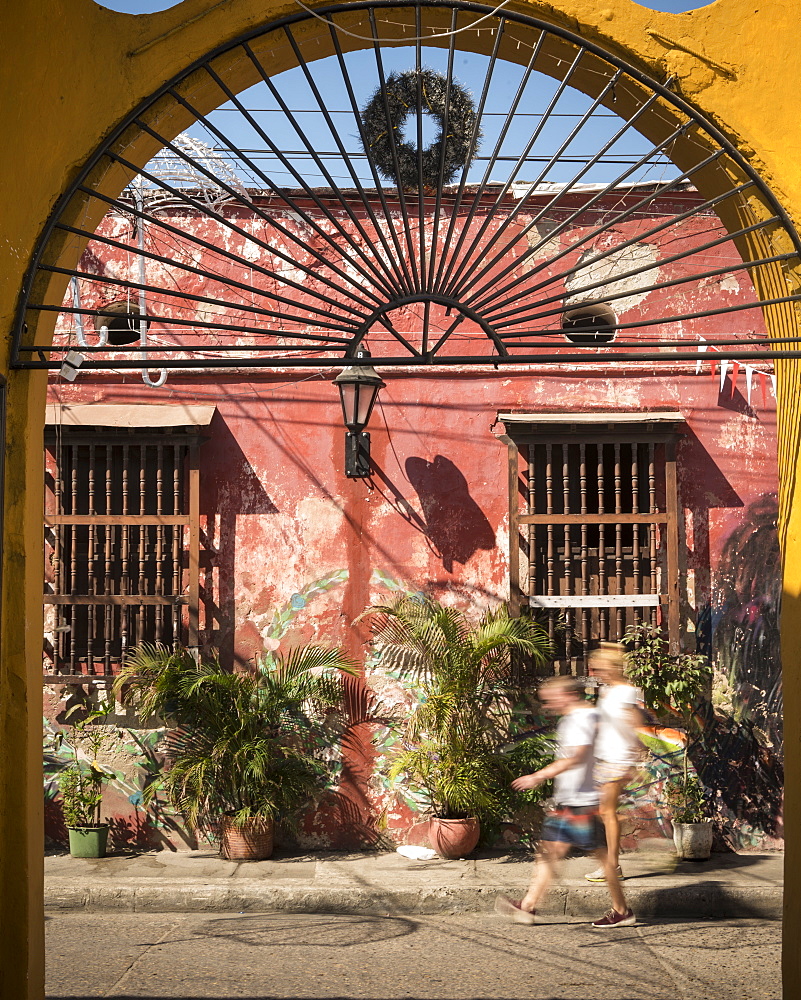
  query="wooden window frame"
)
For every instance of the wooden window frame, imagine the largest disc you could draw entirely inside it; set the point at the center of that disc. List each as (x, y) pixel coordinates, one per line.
(598, 429)
(186, 440)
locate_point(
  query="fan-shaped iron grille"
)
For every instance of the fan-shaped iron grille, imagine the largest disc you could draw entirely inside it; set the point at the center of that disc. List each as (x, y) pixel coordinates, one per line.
(267, 230)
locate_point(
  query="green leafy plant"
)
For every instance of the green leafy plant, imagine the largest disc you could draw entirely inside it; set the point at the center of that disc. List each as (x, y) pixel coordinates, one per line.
(242, 745)
(685, 798)
(452, 745)
(81, 781)
(671, 683)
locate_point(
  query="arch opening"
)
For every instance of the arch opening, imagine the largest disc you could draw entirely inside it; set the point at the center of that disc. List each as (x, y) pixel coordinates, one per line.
(264, 224)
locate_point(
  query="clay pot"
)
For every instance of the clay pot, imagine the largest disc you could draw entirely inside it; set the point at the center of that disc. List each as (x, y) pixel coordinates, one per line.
(251, 842)
(453, 838)
(693, 841)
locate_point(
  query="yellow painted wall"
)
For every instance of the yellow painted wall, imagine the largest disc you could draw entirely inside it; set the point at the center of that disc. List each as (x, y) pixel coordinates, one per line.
(70, 70)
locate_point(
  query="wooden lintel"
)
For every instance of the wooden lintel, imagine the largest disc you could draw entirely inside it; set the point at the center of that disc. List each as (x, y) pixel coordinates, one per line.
(115, 599)
(592, 518)
(144, 520)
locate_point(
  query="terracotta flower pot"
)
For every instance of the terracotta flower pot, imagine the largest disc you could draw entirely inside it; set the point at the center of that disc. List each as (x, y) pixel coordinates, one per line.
(454, 838)
(693, 841)
(251, 842)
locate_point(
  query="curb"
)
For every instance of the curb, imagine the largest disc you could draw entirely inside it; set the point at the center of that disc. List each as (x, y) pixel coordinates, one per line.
(708, 899)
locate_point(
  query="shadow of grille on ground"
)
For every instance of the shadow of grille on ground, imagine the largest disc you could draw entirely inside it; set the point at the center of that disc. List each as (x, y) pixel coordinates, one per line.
(255, 957)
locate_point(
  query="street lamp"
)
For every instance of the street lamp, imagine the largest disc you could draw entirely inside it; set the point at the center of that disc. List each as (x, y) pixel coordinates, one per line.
(358, 388)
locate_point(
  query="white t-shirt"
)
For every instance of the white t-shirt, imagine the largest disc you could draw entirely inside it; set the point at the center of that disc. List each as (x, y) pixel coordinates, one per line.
(617, 741)
(576, 729)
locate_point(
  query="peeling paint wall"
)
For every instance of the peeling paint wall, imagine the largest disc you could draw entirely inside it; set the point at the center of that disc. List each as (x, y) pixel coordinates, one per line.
(294, 551)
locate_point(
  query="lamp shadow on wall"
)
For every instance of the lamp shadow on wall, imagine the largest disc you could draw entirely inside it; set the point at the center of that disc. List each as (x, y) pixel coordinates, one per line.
(454, 524)
(229, 488)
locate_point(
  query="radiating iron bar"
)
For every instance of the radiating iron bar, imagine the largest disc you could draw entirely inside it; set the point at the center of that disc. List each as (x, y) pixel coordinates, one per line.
(611, 186)
(669, 260)
(216, 276)
(440, 300)
(564, 191)
(743, 265)
(447, 254)
(429, 284)
(373, 273)
(205, 210)
(459, 319)
(117, 133)
(395, 165)
(543, 358)
(219, 348)
(174, 293)
(180, 348)
(674, 319)
(421, 194)
(510, 116)
(621, 217)
(389, 325)
(391, 287)
(426, 321)
(636, 239)
(207, 274)
(311, 272)
(263, 215)
(553, 159)
(449, 277)
(400, 260)
(173, 321)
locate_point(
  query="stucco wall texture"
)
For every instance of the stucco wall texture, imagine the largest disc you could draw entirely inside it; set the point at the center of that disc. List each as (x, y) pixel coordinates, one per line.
(76, 69)
(284, 530)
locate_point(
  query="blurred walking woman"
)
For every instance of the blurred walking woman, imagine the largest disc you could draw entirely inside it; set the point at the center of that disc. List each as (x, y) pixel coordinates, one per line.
(617, 746)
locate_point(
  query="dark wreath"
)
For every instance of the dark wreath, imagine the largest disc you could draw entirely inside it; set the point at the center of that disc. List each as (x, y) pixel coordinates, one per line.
(385, 113)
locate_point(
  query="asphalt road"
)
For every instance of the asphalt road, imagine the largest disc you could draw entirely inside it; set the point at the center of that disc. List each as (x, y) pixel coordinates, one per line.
(301, 955)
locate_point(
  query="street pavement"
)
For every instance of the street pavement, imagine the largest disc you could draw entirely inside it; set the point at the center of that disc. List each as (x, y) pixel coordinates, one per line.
(372, 883)
(256, 956)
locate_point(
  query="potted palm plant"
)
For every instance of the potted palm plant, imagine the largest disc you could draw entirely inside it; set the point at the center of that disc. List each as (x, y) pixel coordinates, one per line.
(243, 748)
(675, 683)
(81, 785)
(454, 745)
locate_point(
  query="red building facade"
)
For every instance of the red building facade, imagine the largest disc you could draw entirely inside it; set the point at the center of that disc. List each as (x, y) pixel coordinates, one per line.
(603, 491)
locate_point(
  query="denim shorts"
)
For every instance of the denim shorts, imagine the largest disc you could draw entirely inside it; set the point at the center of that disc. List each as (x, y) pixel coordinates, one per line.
(579, 826)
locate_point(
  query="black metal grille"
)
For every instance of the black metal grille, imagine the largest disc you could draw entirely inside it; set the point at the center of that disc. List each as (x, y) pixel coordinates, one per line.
(278, 242)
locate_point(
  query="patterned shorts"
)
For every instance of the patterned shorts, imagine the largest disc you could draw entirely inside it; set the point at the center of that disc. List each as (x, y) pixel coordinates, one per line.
(606, 771)
(579, 826)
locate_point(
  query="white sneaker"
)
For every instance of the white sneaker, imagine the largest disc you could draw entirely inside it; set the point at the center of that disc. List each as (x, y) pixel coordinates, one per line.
(599, 876)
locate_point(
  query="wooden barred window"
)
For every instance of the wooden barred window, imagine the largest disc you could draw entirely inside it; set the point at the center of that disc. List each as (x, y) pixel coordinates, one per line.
(122, 544)
(594, 526)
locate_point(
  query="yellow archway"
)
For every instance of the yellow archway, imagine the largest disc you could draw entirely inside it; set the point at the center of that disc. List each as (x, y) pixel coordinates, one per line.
(74, 71)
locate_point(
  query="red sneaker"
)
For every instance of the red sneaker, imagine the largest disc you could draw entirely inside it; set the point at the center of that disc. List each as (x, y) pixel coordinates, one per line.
(614, 919)
(512, 910)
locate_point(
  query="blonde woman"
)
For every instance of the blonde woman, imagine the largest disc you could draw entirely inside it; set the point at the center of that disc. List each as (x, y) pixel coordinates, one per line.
(617, 746)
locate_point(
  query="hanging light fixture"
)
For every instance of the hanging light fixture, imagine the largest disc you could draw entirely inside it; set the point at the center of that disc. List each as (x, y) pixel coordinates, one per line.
(358, 388)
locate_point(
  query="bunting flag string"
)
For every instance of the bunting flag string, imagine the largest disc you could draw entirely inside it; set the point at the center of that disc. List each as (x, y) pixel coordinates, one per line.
(731, 369)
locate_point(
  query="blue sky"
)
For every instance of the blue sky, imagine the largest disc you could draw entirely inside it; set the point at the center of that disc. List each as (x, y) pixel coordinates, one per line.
(148, 6)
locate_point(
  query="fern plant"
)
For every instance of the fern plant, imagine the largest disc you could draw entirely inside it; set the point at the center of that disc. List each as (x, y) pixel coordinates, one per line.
(250, 746)
(453, 744)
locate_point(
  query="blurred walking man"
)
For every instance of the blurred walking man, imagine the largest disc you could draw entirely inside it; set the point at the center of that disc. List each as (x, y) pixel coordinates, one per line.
(574, 820)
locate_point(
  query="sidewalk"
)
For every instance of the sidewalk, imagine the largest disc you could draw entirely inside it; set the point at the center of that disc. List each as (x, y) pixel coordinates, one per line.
(726, 886)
